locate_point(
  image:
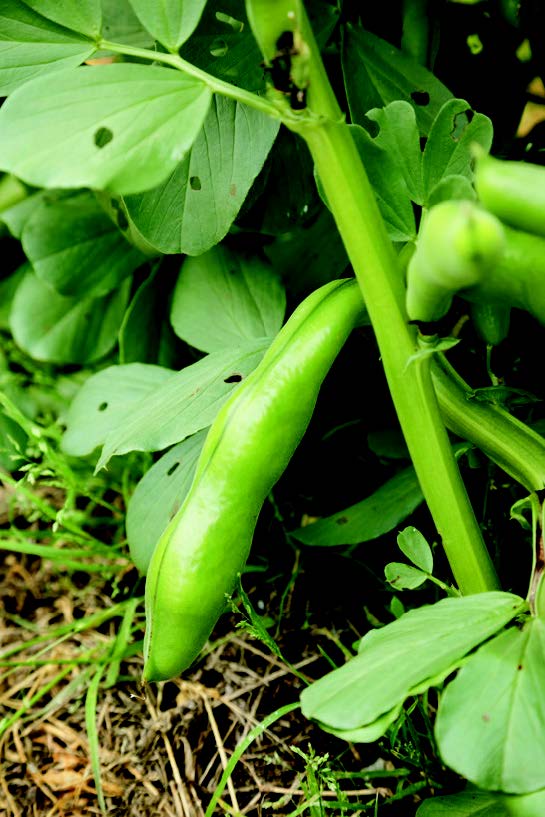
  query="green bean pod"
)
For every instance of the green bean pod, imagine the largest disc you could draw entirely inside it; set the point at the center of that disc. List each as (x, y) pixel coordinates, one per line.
(513, 191)
(194, 567)
(491, 320)
(457, 245)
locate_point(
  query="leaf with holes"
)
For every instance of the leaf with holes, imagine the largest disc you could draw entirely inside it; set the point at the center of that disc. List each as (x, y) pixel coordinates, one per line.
(195, 206)
(223, 299)
(378, 514)
(158, 496)
(75, 248)
(187, 403)
(170, 21)
(398, 135)
(376, 73)
(53, 328)
(490, 724)
(448, 149)
(134, 125)
(105, 401)
(31, 45)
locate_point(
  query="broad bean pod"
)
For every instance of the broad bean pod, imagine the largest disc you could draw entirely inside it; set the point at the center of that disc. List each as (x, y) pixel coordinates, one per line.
(513, 191)
(195, 564)
(458, 244)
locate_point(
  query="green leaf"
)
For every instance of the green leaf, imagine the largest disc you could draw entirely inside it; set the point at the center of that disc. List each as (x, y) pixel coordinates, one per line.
(388, 181)
(104, 402)
(406, 656)
(369, 733)
(376, 73)
(399, 137)
(465, 804)
(15, 217)
(12, 442)
(52, 328)
(8, 288)
(32, 46)
(195, 206)
(84, 16)
(223, 299)
(415, 547)
(170, 21)
(121, 25)
(188, 402)
(451, 187)
(158, 496)
(140, 333)
(448, 149)
(371, 517)
(75, 248)
(490, 725)
(134, 124)
(404, 577)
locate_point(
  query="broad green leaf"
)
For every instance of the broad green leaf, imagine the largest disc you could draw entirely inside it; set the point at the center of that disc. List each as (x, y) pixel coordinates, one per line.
(140, 333)
(415, 547)
(490, 725)
(194, 207)
(448, 149)
(158, 496)
(52, 328)
(465, 804)
(372, 517)
(75, 248)
(12, 191)
(369, 733)
(121, 127)
(187, 403)
(15, 217)
(404, 577)
(376, 73)
(389, 185)
(484, 804)
(399, 137)
(84, 16)
(170, 21)
(406, 655)
(105, 401)
(121, 25)
(32, 46)
(224, 299)
(8, 288)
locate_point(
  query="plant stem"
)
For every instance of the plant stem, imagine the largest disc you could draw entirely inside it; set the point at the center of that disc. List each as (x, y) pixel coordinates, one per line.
(353, 205)
(255, 101)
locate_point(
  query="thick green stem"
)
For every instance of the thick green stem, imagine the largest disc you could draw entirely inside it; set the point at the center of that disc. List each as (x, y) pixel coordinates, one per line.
(360, 224)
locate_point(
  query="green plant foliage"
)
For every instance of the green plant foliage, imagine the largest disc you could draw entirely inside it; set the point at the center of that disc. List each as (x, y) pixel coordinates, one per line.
(195, 206)
(186, 403)
(105, 401)
(57, 329)
(411, 542)
(377, 73)
(158, 496)
(75, 248)
(170, 21)
(404, 577)
(371, 684)
(135, 123)
(32, 44)
(378, 514)
(490, 724)
(224, 299)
